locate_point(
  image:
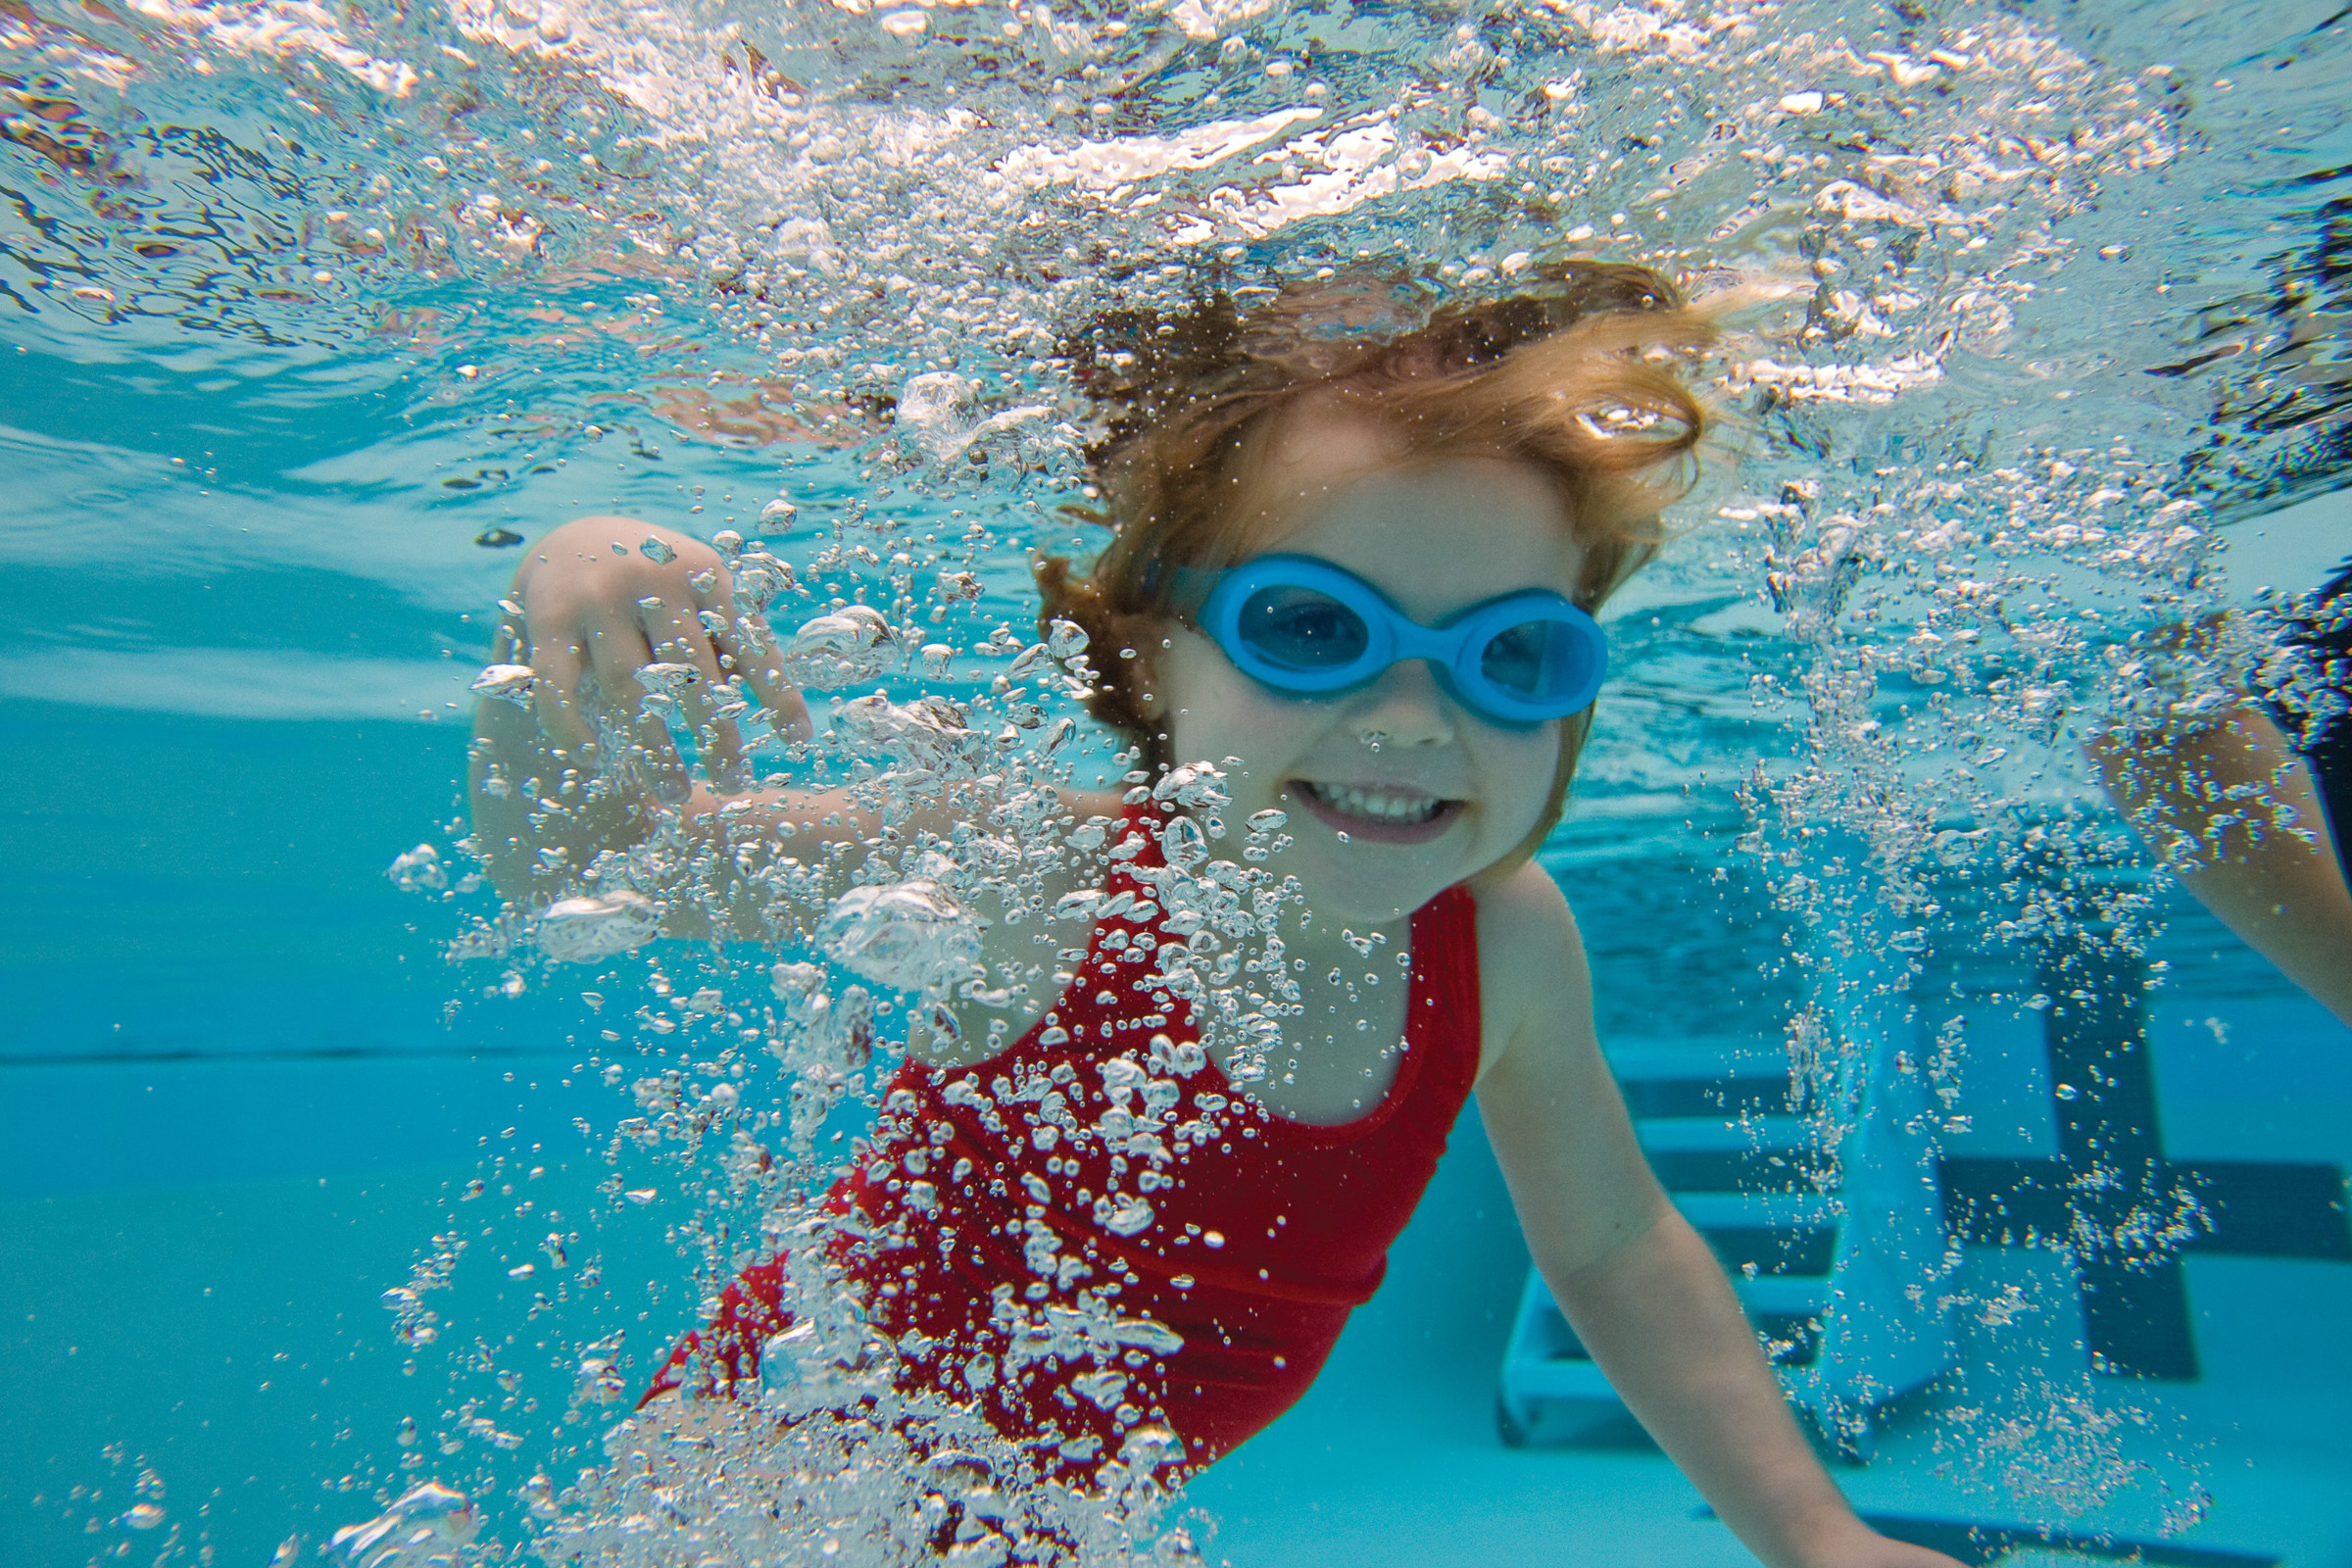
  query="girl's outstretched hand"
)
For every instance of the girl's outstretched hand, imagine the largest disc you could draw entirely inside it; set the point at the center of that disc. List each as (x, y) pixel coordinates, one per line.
(607, 597)
(1867, 1549)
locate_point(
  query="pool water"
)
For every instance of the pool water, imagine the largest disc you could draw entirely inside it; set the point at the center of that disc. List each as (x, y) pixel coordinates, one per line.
(312, 320)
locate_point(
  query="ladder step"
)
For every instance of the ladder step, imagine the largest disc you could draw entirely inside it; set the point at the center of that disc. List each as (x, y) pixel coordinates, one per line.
(1775, 1253)
(1768, 1299)
(1758, 1135)
(1645, 1060)
(1560, 1379)
(1651, 1098)
(1777, 1211)
(1766, 1153)
(1544, 1355)
(1735, 1171)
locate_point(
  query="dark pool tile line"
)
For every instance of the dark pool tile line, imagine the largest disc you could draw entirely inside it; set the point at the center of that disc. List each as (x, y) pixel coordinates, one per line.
(176, 1054)
(1981, 1544)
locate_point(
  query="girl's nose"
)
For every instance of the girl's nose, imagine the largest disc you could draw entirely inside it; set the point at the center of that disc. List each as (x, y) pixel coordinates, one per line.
(1405, 706)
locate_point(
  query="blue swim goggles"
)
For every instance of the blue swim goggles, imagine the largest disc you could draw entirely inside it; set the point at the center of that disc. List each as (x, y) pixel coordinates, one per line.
(1306, 627)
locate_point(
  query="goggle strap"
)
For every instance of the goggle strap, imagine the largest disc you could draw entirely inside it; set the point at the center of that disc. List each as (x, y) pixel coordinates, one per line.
(1183, 590)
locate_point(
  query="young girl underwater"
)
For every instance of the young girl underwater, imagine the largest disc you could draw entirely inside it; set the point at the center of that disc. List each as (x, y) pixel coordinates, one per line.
(1356, 568)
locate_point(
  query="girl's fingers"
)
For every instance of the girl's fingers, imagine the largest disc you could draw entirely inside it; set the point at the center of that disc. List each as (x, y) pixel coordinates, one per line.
(758, 656)
(555, 692)
(678, 636)
(618, 648)
(762, 664)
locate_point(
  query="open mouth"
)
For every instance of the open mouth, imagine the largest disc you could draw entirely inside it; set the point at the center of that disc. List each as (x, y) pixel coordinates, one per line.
(1381, 813)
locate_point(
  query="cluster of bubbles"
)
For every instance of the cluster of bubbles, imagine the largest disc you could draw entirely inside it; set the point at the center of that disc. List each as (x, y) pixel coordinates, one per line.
(801, 1481)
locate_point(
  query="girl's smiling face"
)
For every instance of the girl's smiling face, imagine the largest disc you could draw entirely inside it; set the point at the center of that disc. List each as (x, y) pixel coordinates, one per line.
(1395, 790)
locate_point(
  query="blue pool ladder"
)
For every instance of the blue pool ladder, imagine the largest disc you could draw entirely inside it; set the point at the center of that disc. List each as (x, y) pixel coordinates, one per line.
(1850, 1312)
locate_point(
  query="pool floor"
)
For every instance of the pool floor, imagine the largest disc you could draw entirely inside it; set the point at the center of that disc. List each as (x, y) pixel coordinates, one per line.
(227, 1334)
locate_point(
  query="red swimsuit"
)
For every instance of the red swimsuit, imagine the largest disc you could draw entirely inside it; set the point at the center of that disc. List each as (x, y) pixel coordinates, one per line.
(1117, 1179)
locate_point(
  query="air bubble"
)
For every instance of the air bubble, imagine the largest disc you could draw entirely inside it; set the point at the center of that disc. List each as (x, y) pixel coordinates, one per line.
(428, 1525)
(847, 647)
(586, 929)
(910, 936)
(507, 684)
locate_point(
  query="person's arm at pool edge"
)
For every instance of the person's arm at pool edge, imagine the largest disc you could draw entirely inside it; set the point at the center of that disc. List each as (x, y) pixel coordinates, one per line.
(1636, 1283)
(2282, 895)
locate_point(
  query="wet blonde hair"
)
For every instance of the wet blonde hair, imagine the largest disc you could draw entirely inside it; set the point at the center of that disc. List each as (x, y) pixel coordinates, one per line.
(1574, 376)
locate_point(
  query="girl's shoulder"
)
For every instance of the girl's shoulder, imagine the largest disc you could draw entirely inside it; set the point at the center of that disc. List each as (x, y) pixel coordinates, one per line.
(1531, 956)
(1524, 914)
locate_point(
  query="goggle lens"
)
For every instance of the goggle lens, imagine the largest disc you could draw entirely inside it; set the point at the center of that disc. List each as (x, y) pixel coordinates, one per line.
(1302, 628)
(1536, 659)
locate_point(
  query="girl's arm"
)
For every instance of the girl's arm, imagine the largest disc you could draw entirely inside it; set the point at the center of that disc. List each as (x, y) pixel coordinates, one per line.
(1636, 1283)
(588, 610)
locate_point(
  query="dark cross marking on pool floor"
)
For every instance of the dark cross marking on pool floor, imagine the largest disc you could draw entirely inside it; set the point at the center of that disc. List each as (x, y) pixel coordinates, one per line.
(1981, 1544)
(2116, 1200)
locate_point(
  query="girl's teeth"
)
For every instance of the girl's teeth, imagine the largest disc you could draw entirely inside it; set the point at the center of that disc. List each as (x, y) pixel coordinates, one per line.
(1377, 804)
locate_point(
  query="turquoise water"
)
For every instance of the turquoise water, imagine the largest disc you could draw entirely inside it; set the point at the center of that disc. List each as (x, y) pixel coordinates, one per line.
(260, 465)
